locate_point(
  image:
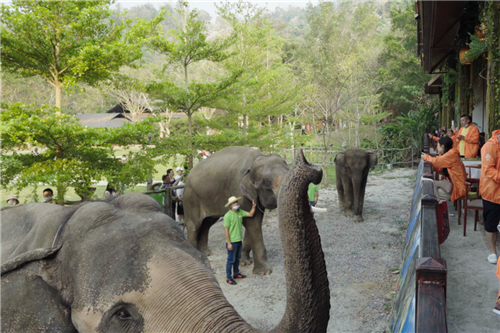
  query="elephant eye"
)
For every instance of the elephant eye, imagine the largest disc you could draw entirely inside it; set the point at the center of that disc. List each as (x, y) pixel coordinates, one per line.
(124, 315)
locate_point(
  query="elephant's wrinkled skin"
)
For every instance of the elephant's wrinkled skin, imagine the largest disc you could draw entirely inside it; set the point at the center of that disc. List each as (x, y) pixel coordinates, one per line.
(125, 267)
(351, 170)
(242, 172)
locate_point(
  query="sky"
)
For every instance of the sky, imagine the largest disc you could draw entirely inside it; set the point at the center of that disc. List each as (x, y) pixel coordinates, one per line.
(208, 5)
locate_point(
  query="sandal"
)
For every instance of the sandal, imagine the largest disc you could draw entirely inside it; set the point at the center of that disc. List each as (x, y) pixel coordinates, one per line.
(232, 282)
(239, 276)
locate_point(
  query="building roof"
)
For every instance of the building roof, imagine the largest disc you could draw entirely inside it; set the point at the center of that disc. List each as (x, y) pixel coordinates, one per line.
(106, 120)
(438, 24)
(118, 108)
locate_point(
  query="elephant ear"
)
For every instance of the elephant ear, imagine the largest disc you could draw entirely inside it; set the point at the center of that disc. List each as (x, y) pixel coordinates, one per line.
(340, 159)
(247, 187)
(28, 269)
(373, 160)
(247, 184)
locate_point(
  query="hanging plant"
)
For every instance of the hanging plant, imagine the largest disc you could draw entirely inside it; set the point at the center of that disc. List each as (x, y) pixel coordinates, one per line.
(477, 48)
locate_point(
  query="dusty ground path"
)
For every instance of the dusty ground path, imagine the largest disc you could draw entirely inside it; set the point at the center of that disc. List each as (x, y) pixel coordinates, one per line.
(361, 259)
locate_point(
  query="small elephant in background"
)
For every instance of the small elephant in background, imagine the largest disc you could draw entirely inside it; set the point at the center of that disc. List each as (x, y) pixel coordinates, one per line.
(351, 170)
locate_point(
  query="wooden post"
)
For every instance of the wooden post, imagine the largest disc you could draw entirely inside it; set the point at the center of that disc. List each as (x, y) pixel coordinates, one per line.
(431, 295)
(429, 244)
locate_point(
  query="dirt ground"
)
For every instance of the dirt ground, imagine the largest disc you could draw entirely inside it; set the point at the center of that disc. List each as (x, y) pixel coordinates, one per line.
(362, 259)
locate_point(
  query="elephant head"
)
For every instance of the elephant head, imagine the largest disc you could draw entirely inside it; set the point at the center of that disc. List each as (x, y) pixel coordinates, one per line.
(261, 179)
(124, 266)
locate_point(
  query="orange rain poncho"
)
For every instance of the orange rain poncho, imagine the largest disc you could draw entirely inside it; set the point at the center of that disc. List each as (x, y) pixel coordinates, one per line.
(489, 186)
(451, 161)
(471, 141)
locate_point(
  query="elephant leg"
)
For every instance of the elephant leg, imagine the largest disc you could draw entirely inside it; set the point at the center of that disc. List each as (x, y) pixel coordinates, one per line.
(245, 251)
(192, 233)
(340, 189)
(207, 223)
(253, 227)
(348, 195)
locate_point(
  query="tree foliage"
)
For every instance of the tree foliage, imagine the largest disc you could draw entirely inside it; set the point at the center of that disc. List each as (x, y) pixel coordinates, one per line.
(66, 42)
(72, 155)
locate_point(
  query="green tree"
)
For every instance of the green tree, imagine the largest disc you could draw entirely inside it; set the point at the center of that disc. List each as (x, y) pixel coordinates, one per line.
(67, 42)
(72, 155)
(191, 45)
(267, 86)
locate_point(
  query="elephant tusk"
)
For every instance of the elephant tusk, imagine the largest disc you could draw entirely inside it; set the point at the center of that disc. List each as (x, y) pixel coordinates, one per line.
(318, 210)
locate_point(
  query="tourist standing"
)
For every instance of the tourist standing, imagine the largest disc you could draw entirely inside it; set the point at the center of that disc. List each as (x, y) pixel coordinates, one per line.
(233, 229)
(489, 187)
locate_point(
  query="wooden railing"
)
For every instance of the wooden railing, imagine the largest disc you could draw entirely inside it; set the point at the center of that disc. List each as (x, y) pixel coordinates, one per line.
(420, 304)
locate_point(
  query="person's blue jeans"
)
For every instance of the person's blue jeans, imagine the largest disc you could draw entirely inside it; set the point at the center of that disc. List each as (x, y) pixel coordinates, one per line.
(311, 203)
(233, 260)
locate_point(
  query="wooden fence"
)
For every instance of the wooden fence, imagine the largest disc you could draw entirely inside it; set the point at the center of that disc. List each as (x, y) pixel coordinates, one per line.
(405, 157)
(164, 198)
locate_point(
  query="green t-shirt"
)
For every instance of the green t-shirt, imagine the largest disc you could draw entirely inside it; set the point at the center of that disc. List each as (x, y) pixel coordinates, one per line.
(234, 221)
(311, 192)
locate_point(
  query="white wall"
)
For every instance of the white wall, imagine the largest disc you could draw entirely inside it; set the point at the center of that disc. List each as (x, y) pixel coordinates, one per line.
(479, 113)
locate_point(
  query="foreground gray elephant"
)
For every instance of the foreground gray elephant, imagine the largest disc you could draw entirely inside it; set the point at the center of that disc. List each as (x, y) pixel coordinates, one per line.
(126, 267)
(233, 171)
(351, 170)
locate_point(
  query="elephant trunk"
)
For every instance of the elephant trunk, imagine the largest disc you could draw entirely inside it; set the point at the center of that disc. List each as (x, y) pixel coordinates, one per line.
(308, 298)
(359, 187)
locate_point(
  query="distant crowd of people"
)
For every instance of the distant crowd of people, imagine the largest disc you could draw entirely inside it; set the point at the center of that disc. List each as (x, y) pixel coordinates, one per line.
(171, 180)
(467, 139)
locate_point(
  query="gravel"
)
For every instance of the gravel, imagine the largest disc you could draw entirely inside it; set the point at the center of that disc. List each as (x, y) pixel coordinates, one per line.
(362, 259)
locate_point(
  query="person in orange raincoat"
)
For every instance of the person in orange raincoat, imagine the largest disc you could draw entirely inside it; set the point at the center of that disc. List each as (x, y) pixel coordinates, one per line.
(489, 188)
(468, 138)
(453, 186)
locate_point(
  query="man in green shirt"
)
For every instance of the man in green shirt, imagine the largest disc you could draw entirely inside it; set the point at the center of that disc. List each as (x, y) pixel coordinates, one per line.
(233, 225)
(313, 194)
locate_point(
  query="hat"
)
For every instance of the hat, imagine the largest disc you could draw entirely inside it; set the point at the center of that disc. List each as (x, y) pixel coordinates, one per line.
(179, 169)
(232, 200)
(13, 197)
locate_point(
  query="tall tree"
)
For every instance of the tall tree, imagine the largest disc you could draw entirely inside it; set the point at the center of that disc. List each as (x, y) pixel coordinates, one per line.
(400, 73)
(67, 42)
(267, 86)
(190, 46)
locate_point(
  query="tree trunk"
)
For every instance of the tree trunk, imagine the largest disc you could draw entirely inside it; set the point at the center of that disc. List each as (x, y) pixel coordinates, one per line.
(60, 188)
(245, 117)
(58, 88)
(190, 131)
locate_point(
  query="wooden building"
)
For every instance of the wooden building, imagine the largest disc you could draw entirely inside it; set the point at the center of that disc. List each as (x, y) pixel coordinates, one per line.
(449, 34)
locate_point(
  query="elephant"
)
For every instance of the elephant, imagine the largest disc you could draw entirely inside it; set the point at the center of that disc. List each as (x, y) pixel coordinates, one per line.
(124, 266)
(240, 172)
(351, 172)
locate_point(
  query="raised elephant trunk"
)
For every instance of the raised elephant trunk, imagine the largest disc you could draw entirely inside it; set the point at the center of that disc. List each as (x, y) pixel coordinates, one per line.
(308, 299)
